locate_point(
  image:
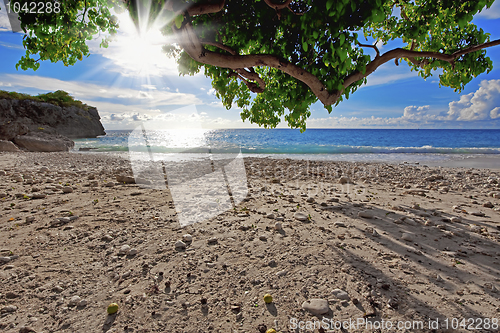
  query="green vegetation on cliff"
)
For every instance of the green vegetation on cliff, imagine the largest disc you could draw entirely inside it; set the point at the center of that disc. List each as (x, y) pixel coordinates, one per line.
(58, 97)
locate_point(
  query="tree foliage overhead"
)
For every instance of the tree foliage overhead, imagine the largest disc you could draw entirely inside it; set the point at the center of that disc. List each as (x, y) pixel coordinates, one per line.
(274, 58)
(63, 36)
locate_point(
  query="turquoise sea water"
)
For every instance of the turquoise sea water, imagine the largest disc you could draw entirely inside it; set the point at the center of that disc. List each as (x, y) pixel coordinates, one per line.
(341, 144)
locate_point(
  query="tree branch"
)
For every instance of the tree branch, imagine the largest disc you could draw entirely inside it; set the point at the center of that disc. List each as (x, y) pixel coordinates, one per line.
(196, 9)
(251, 75)
(278, 6)
(84, 12)
(220, 46)
(251, 85)
(188, 40)
(372, 46)
(410, 54)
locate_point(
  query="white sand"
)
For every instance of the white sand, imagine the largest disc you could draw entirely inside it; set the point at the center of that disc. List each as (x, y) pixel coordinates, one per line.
(422, 256)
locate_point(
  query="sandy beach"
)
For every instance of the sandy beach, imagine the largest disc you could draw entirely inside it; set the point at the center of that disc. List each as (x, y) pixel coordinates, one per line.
(371, 247)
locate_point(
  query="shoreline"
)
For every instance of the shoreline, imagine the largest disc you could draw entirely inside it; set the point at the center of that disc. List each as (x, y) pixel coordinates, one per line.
(480, 161)
(392, 242)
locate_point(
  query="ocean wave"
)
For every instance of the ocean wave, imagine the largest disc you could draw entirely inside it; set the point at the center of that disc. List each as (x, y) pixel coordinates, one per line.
(297, 149)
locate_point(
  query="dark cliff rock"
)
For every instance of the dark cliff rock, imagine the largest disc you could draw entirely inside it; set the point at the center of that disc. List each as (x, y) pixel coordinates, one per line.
(18, 117)
(44, 142)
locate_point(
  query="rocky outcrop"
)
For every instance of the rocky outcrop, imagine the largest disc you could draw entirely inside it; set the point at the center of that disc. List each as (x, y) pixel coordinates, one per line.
(44, 142)
(18, 117)
(7, 146)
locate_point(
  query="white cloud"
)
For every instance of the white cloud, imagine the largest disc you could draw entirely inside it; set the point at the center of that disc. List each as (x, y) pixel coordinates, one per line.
(495, 113)
(149, 86)
(479, 105)
(414, 113)
(477, 108)
(9, 45)
(88, 91)
(491, 13)
(389, 73)
(4, 19)
(143, 94)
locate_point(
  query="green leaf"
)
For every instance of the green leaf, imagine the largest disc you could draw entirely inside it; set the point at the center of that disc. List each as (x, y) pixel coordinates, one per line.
(329, 4)
(342, 39)
(178, 21)
(342, 54)
(305, 46)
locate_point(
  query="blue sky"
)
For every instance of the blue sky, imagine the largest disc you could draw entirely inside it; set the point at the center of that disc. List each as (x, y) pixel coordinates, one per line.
(132, 81)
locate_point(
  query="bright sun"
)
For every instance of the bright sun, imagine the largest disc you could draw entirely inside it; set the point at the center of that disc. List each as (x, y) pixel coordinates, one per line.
(140, 53)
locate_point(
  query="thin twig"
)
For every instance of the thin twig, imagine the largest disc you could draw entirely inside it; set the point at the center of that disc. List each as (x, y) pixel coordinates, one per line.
(372, 46)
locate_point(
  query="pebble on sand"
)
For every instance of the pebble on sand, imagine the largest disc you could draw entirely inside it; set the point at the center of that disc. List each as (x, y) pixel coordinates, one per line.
(300, 216)
(407, 237)
(340, 294)
(75, 300)
(67, 189)
(316, 306)
(180, 245)
(366, 214)
(124, 249)
(345, 180)
(9, 308)
(310, 200)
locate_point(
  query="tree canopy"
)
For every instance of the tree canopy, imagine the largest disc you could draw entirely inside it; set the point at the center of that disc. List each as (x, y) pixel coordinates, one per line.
(275, 58)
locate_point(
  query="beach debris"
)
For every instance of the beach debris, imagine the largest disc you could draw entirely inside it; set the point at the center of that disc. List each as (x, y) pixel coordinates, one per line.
(268, 298)
(187, 238)
(112, 308)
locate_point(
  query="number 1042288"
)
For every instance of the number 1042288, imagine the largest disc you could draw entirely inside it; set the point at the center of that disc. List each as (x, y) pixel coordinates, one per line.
(34, 7)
